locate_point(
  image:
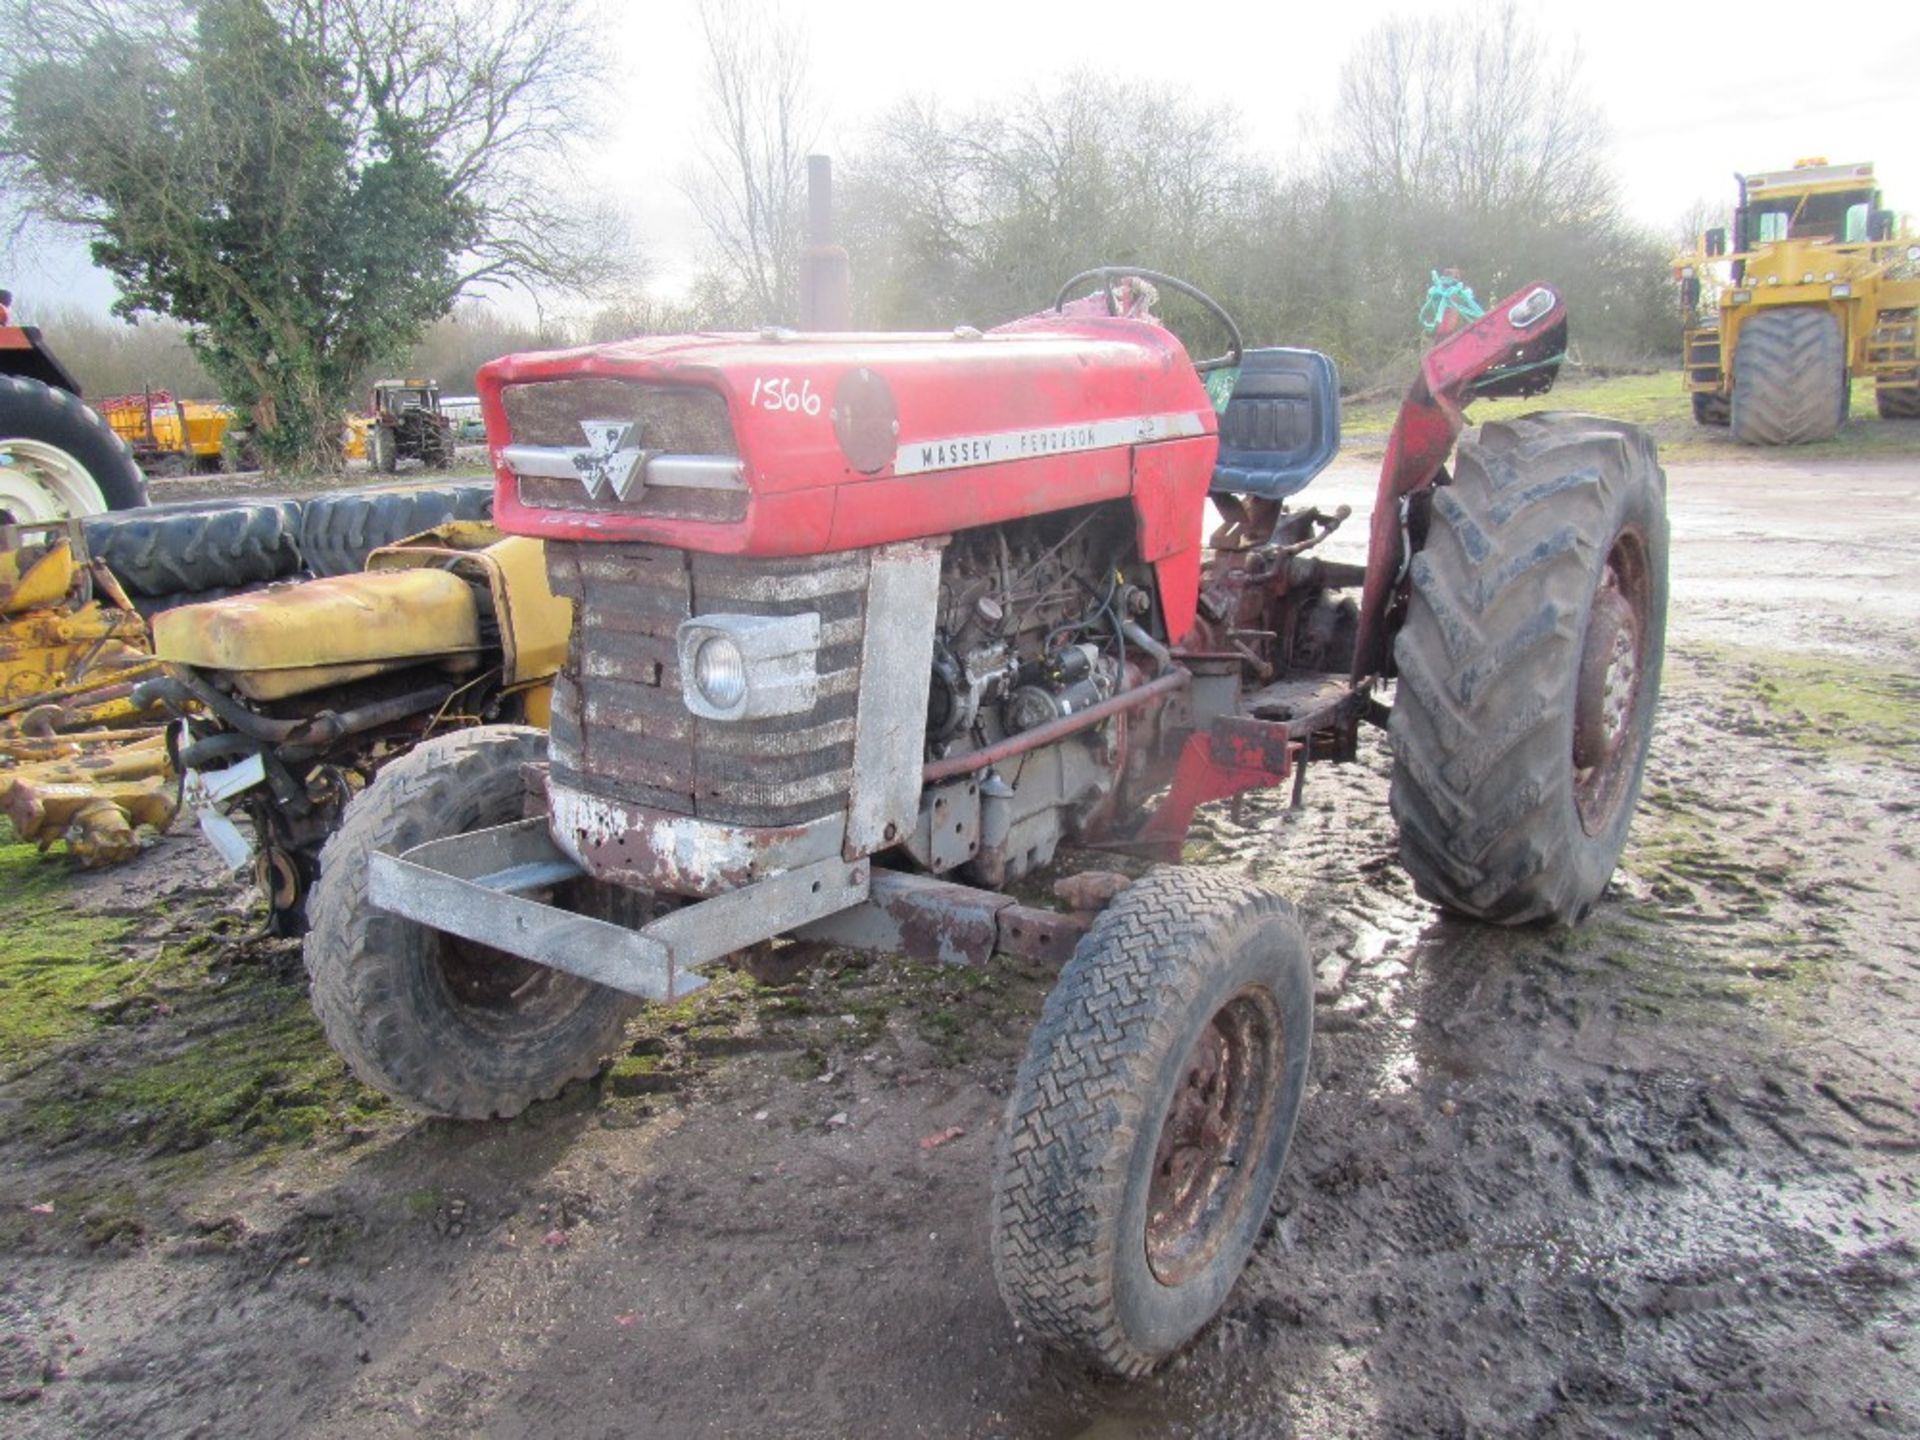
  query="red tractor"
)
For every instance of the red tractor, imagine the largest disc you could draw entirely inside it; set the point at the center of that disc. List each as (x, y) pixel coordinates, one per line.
(58, 459)
(866, 627)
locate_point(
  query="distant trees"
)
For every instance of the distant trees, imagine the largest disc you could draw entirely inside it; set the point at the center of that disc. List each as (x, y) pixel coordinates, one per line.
(748, 184)
(1463, 141)
(111, 358)
(306, 184)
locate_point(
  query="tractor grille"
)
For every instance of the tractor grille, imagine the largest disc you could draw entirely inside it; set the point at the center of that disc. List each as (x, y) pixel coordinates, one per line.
(673, 419)
(620, 727)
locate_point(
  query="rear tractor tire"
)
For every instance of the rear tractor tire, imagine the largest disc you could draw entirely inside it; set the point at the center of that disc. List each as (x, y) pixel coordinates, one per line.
(1790, 381)
(58, 459)
(1529, 665)
(383, 451)
(444, 1026)
(1151, 1118)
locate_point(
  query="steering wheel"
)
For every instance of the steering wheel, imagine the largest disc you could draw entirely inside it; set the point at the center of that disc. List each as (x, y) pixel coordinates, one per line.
(1107, 274)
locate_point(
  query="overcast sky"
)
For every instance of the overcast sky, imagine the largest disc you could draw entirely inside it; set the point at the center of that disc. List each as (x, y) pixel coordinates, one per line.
(1691, 94)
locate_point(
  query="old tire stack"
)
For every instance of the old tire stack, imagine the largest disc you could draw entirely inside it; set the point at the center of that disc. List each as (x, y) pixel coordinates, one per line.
(1529, 665)
(448, 1027)
(182, 550)
(1789, 377)
(339, 530)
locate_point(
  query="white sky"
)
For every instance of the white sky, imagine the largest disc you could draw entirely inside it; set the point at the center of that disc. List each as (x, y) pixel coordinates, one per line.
(1691, 94)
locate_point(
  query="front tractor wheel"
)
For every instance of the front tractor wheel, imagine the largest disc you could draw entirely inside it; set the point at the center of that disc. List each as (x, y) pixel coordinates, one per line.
(441, 1024)
(1151, 1118)
(1529, 665)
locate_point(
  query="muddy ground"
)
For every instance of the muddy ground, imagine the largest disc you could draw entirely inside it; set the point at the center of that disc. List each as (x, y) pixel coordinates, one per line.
(1656, 1176)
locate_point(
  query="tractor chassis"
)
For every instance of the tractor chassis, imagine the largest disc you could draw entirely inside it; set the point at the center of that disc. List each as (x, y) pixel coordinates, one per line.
(480, 885)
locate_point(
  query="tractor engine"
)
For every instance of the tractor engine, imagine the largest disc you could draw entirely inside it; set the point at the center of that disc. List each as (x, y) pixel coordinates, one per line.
(1032, 628)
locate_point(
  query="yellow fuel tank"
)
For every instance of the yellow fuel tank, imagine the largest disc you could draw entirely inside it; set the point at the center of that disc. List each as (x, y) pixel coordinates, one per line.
(285, 641)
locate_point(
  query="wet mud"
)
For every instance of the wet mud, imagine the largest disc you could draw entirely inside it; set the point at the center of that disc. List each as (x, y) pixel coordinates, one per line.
(1656, 1176)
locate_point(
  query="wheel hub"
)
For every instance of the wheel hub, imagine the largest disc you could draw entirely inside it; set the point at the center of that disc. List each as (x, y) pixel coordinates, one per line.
(1607, 698)
(39, 481)
(1609, 674)
(1219, 1114)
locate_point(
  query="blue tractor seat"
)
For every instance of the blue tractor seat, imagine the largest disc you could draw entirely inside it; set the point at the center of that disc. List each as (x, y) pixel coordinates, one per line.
(1281, 426)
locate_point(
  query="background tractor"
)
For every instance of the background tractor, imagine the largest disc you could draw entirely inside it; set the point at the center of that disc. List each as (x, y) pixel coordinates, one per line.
(405, 422)
(1814, 288)
(866, 628)
(57, 458)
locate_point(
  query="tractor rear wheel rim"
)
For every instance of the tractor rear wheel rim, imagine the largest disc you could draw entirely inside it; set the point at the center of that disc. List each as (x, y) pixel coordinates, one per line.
(1215, 1125)
(39, 481)
(1611, 688)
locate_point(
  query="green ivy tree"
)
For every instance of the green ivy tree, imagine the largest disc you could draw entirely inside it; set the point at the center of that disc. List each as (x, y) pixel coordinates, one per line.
(306, 184)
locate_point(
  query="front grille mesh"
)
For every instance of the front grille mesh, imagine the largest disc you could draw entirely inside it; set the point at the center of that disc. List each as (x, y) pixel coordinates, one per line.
(672, 419)
(620, 727)
(680, 419)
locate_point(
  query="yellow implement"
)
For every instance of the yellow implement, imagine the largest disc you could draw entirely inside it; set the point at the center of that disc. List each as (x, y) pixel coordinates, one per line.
(295, 638)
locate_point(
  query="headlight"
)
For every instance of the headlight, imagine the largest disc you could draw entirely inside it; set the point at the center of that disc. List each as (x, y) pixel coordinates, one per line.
(744, 667)
(1913, 252)
(720, 670)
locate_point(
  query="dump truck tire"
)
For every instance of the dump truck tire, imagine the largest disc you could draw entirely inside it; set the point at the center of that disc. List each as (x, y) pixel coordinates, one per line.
(1712, 410)
(211, 545)
(341, 529)
(446, 1027)
(58, 459)
(1529, 665)
(1897, 404)
(1789, 377)
(1151, 1117)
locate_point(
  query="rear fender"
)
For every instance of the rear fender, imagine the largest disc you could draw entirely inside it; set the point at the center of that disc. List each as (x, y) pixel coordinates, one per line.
(1514, 336)
(24, 353)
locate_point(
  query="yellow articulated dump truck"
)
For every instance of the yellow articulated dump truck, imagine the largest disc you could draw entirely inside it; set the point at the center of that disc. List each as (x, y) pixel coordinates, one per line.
(1815, 286)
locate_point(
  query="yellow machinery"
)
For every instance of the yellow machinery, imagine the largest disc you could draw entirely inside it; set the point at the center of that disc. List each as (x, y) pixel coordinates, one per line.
(169, 436)
(293, 697)
(76, 760)
(1815, 286)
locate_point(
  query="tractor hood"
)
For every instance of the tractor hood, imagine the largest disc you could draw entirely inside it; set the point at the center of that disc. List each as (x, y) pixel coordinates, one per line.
(781, 444)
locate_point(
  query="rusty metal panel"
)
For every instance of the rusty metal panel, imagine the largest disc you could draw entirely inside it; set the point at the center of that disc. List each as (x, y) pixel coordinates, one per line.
(621, 727)
(1035, 934)
(657, 849)
(917, 916)
(896, 670)
(948, 832)
(1249, 744)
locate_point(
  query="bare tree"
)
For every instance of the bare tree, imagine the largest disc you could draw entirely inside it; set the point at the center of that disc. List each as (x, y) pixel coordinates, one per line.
(1475, 111)
(748, 186)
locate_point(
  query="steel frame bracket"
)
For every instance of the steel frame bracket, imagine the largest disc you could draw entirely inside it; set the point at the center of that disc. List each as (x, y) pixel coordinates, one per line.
(467, 885)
